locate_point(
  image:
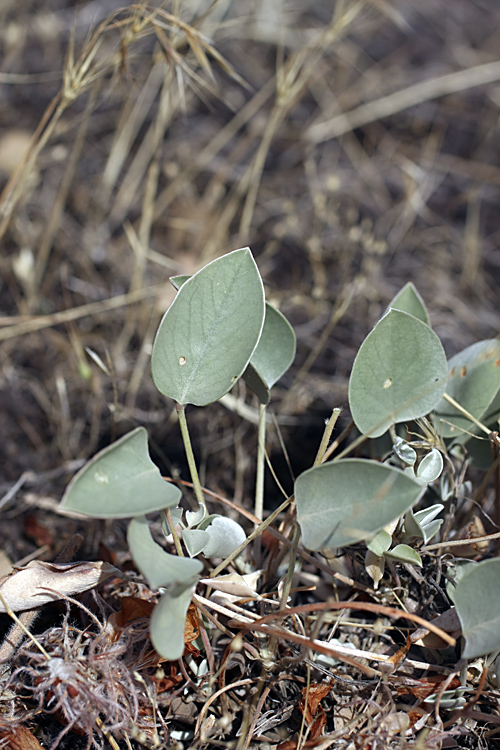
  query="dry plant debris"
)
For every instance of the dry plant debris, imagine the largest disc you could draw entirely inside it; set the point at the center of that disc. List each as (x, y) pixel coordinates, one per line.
(352, 145)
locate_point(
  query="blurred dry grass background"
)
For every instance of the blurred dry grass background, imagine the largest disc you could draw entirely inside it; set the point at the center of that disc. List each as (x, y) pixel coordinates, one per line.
(353, 145)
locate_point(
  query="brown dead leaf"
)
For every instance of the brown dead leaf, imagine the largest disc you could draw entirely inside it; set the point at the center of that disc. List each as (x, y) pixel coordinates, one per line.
(319, 723)
(132, 608)
(400, 654)
(316, 723)
(192, 629)
(20, 738)
(37, 531)
(426, 686)
(313, 695)
(166, 682)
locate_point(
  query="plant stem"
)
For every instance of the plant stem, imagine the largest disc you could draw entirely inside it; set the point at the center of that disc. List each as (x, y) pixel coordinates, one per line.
(291, 567)
(467, 414)
(181, 411)
(255, 533)
(259, 485)
(259, 482)
(173, 531)
(326, 436)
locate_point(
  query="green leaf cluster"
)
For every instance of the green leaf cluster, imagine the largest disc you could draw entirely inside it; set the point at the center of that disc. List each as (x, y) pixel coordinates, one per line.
(219, 329)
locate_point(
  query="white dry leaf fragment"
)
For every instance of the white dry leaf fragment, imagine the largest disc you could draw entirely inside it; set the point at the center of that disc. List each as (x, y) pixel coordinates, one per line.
(41, 582)
(233, 587)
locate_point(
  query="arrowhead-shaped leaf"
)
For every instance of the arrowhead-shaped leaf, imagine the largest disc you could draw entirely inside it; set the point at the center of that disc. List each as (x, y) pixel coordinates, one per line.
(399, 374)
(408, 300)
(120, 481)
(477, 599)
(210, 331)
(349, 500)
(474, 382)
(155, 564)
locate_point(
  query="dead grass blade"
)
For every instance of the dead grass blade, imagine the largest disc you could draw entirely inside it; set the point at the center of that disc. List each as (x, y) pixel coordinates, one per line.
(434, 88)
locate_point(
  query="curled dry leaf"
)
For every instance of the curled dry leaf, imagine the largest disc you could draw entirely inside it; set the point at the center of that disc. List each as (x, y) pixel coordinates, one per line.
(234, 587)
(42, 582)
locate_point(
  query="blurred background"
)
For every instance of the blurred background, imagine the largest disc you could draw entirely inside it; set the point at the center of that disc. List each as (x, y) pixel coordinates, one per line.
(352, 145)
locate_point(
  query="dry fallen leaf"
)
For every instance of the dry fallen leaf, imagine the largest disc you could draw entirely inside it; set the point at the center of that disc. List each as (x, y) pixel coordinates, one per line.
(20, 738)
(42, 582)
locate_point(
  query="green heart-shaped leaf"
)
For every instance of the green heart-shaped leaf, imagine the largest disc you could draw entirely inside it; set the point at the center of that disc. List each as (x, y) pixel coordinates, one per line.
(474, 382)
(399, 374)
(120, 481)
(477, 599)
(349, 500)
(210, 331)
(155, 564)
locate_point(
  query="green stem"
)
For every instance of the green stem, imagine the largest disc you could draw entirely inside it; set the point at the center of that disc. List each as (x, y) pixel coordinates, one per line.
(259, 482)
(255, 533)
(173, 531)
(181, 411)
(261, 448)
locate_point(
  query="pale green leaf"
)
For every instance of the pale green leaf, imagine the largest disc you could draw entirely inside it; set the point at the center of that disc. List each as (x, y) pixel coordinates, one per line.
(209, 333)
(404, 451)
(404, 553)
(349, 500)
(474, 382)
(225, 536)
(120, 481)
(195, 541)
(423, 524)
(399, 374)
(274, 354)
(431, 466)
(178, 281)
(408, 300)
(257, 384)
(477, 599)
(168, 622)
(456, 573)
(380, 543)
(156, 565)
